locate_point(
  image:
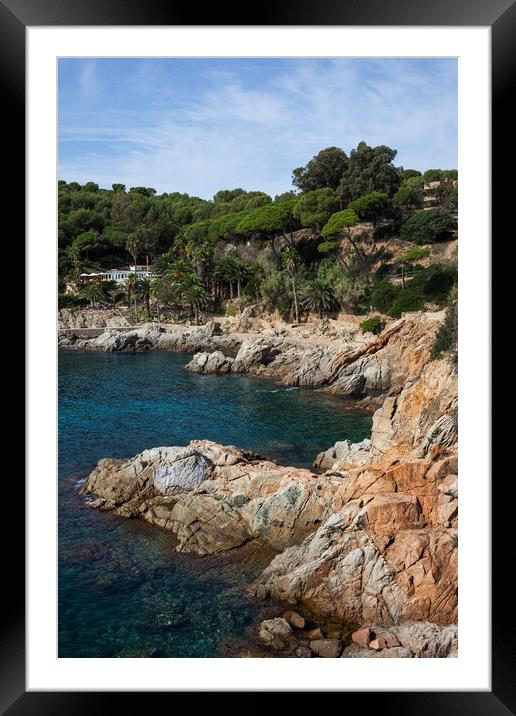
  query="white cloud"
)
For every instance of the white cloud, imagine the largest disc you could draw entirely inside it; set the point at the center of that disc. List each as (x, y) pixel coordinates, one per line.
(234, 134)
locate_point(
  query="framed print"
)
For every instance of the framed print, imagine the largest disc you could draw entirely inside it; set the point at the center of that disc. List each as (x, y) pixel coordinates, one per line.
(258, 355)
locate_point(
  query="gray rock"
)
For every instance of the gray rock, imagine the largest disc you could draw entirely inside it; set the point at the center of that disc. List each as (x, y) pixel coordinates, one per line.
(215, 362)
(254, 353)
(427, 640)
(344, 451)
(184, 468)
(357, 652)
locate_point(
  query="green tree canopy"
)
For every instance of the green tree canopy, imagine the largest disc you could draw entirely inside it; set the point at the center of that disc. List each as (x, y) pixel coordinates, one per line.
(268, 221)
(339, 223)
(410, 194)
(315, 207)
(428, 227)
(369, 169)
(370, 207)
(323, 170)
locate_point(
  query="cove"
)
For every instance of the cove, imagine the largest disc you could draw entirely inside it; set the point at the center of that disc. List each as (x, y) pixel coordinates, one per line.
(123, 590)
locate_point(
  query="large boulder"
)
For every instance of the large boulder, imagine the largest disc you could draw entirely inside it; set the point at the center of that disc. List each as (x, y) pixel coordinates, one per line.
(184, 469)
(215, 362)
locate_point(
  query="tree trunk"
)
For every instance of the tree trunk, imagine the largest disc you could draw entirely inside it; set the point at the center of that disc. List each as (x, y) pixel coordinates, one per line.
(238, 288)
(231, 289)
(296, 307)
(147, 306)
(359, 251)
(157, 310)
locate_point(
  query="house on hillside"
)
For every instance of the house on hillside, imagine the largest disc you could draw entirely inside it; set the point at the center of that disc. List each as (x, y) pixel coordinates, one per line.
(119, 276)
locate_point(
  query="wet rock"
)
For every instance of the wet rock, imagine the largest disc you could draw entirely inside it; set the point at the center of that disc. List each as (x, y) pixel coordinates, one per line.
(277, 633)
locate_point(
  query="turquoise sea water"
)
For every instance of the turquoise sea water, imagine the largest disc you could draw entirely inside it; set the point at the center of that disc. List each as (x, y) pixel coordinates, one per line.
(123, 590)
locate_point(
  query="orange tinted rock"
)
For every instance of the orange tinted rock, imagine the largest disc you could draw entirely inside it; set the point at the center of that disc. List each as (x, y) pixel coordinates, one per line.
(294, 619)
(362, 637)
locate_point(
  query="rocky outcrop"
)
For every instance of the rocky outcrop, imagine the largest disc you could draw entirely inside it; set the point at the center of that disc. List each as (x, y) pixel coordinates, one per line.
(369, 368)
(215, 362)
(181, 339)
(214, 497)
(420, 640)
(68, 318)
(411, 639)
(390, 552)
(370, 539)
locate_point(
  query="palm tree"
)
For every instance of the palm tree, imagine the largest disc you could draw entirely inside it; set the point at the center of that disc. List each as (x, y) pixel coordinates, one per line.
(318, 296)
(155, 292)
(94, 292)
(290, 260)
(144, 289)
(197, 298)
(131, 289)
(114, 294)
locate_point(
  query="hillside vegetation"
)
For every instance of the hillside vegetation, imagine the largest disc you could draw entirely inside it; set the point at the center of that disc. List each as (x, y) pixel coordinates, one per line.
(357, 235)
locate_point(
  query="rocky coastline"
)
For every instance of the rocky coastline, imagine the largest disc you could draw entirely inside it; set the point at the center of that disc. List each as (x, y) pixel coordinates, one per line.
(366, 542)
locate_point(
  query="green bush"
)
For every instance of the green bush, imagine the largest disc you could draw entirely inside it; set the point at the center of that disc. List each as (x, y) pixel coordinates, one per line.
(447, 335)
(230, 309)
(430, 284)
(383, 295)
(374, 325)
(71, 300)
(428, 227)
(385, 231)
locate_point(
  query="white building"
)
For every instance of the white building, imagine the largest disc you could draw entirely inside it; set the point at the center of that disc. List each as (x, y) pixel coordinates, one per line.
(119, 276)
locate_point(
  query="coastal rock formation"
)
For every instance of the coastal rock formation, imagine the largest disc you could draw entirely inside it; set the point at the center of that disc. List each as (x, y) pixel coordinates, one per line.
(214, 497)
(90, 318)
(374, 540)
(370, 539)
(369, 367)
(182, 339)
(215, 362)
(343, 453)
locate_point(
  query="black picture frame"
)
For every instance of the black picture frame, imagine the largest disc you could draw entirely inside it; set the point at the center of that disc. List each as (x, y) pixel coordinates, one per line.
(500, 15)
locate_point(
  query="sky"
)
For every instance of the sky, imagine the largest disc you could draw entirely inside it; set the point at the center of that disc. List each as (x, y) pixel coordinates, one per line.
(201, 125)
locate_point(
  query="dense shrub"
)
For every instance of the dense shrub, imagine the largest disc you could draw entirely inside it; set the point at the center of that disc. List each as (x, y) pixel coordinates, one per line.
(374, 325)
(428, 227)
(430, 284)
(385, 231)
(383, 295)
(447, 336)
(71, 300)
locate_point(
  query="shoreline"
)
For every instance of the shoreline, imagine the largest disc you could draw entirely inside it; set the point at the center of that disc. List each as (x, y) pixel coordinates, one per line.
(383, 499)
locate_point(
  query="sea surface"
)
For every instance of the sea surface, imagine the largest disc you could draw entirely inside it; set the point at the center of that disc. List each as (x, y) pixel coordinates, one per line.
(123, 590)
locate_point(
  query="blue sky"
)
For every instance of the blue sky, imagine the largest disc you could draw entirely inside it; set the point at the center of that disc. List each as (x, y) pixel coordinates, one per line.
(200, 125)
